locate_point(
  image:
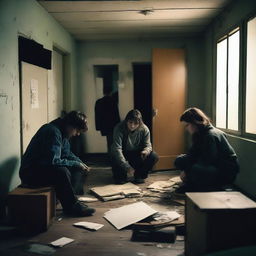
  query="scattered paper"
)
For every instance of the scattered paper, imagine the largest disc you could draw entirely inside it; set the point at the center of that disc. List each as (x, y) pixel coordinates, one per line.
(61, 242)
(88, 225)
(126, 215)
(166, 216)
(110, 198)
(113, 192)
(180, 238)
(162, 186)
(176, 179)
(87, 199)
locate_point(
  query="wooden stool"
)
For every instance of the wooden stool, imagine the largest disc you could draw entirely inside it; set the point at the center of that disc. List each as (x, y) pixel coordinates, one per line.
(32, 210)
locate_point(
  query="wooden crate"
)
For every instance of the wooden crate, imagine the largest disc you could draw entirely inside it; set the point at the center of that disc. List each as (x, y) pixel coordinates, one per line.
(32, 210)
(218, 221)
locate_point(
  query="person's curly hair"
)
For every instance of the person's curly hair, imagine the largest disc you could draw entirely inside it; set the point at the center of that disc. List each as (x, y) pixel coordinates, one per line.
(134, 115)
(76, 119)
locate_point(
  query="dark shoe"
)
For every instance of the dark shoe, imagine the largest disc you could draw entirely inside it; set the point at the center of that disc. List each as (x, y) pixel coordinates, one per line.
(80, 209)
(139, 181)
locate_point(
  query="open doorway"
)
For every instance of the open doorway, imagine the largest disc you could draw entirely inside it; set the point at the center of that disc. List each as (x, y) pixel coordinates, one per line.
(142, 79)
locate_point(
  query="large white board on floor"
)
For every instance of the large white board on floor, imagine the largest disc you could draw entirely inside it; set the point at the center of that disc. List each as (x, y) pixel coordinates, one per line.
(126, 215)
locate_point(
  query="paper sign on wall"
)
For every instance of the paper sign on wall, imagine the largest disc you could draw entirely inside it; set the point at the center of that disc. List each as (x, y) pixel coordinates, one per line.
(34, 100)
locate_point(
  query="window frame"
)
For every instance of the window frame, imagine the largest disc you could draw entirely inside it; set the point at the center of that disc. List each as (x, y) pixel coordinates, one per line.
(244, 133)
(242, 27)
(224, 36)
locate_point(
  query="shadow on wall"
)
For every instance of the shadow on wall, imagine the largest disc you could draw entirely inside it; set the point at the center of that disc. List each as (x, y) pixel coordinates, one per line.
(7, 172)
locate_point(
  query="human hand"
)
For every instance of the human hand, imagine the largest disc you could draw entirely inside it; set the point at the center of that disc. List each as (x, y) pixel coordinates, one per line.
(143, 154)
(183, 176)
(130, 172)
(84, 167)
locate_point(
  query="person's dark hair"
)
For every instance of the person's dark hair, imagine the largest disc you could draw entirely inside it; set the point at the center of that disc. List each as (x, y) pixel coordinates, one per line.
(107, 90)
(195, 116)
(76, 119)
(134, 115)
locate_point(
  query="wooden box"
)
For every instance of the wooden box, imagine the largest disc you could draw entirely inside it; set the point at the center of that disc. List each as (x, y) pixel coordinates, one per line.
(217, 221)
(32, 210)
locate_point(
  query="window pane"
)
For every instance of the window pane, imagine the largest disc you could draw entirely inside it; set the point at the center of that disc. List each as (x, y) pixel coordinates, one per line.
(233, 80)
(250, 116)
(221, 84)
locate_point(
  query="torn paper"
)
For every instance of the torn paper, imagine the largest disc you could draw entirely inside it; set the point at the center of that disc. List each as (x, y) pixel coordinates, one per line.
(88, 225)
(61, 242)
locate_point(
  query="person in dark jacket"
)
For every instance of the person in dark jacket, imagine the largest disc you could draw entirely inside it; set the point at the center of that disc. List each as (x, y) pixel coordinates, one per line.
(131, 151)
(48, 160)
(106, 116)
(211, 162)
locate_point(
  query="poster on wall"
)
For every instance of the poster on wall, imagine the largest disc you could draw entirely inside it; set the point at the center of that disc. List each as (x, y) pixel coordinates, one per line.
(34, 101)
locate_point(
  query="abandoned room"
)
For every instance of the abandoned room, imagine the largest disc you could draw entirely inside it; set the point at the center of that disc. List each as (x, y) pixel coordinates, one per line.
(174, 72)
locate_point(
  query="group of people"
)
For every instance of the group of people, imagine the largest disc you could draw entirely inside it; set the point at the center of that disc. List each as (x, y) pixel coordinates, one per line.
(210, 164)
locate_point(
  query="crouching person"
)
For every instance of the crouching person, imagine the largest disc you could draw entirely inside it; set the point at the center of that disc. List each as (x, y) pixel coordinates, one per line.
(211, 162)
(48, 161)
(131, 151)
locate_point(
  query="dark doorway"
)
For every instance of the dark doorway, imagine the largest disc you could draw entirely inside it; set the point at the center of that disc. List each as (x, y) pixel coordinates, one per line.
(142, 79)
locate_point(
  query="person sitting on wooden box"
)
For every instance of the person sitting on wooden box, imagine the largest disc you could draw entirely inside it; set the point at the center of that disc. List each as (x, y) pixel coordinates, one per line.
(131, 151)
(211, 162)
(48, 161)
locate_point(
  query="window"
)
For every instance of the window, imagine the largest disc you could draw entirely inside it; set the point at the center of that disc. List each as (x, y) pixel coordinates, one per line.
(227, 81)
(250, 106)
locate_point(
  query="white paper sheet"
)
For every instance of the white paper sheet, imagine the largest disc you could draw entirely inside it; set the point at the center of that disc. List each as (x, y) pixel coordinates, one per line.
(111, 190)
(161, 184)
(61, 242)
(167, 216)
(126, 215)
(34, 99)
(88, 225)
(87, 199)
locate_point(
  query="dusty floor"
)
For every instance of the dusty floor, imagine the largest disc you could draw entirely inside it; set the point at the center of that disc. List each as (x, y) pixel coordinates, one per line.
(108, 240)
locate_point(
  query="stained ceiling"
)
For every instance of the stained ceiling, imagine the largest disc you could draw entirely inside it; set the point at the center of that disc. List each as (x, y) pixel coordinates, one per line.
(127, 19)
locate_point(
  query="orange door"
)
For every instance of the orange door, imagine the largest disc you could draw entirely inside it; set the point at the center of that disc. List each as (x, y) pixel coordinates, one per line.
(169, 93)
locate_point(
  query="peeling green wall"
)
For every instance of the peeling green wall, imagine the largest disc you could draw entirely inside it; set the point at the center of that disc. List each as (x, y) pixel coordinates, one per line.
(28, 18)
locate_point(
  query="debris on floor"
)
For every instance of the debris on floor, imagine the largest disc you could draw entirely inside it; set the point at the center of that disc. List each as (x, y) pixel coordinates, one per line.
(151, 224)
(165, 185)
(88, 225)
(87, 198)
(166, 216)
(61, 242)
(113, 192)
(110, 198)
(129, 214)
(161, 185)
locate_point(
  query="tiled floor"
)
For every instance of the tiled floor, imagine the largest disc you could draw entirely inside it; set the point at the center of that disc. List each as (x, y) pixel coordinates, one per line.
(108, 240)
